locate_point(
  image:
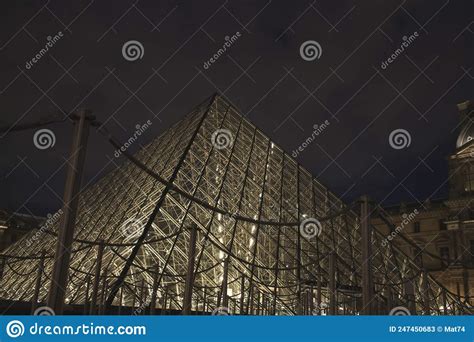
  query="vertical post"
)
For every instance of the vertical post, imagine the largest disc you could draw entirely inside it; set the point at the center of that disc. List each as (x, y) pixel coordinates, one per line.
(465, 277)
(332, 283)
(219, 297)
(141, 303)
(204, 300)
(319, 294)
(299, 304)
(410, 296)
(103, 293)
(39, 274)
(86, 295)
(120, 301)
(366, 247)
(426, 293)
(196, 303)
(250, 304)
(59, 280)
(165, 299)
(258, 304)
(188, 290)
(95, 286)
(445, 303)
(154, 289)
(242, 294)
(225, 298)
(134, 300)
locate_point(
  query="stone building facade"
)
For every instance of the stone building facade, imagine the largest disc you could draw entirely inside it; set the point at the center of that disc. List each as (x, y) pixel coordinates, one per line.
(444, 228)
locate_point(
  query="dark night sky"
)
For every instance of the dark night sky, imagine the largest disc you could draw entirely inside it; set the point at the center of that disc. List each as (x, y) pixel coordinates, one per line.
(262, 73)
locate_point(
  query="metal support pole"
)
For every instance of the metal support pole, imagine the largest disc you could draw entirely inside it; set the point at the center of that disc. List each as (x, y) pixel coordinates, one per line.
(39, 274)
(196, 303)
(142, 305)
(120, 301)
(95, 286)
(426, 293)
(389, 299)
(332, 284)
(154, 289)
(103, 293)
(366, 247)
(188, 290)
(465, 277)
(134, 300)
(219, 297)
(258, 304)
(319, 293)
(57, 291)
(165, 299)
(410, 296)
(250, 304)
(242, 294)
(86, 295)
(445, 303)
(225, 298)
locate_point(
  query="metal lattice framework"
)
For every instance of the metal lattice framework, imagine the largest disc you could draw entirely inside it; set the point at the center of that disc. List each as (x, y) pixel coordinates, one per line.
(248, 267)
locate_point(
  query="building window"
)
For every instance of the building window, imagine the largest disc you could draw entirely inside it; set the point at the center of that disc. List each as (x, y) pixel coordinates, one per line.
(442, 225)
(444, 253)
(416, 227)
(469, 178)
